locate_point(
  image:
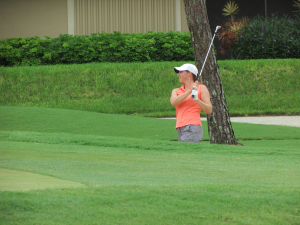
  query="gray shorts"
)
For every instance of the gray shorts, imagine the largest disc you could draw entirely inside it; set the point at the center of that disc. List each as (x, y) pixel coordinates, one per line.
(190, 133)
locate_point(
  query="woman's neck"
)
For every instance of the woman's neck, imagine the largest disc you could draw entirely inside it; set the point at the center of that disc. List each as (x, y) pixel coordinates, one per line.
(188, 86)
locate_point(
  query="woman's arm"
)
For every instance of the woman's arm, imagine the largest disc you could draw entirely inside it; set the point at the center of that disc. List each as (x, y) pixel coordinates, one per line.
(176, 100)
(205, 103)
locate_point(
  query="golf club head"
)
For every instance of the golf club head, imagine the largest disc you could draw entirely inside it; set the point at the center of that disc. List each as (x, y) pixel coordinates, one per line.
(217, 28)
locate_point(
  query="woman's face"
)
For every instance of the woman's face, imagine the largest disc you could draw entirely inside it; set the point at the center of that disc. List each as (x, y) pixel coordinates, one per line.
(183, 76)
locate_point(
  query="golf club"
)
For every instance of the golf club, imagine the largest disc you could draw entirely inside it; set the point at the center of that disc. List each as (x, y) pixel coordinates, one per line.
(217, 28)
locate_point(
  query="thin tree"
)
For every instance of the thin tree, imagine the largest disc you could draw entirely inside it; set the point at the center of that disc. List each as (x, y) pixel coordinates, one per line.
(219, 124)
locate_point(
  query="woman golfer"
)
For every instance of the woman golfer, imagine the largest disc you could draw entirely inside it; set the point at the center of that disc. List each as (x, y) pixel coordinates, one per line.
(188, 124)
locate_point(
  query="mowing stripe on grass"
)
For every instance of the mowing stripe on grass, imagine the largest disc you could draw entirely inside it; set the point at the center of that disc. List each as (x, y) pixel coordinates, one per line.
(14, 180)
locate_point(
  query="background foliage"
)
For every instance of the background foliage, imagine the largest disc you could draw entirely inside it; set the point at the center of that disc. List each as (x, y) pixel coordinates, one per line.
(251, 86)
(262, 39)
(104, 47)
(269, 39)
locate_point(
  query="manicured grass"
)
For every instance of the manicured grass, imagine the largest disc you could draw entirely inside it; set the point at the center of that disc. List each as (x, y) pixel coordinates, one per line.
(90, 123)
(183, 204)
(188, 184)
(133, 176)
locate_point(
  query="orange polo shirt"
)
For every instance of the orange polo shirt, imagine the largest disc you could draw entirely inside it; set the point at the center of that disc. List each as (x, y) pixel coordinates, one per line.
(188, 111)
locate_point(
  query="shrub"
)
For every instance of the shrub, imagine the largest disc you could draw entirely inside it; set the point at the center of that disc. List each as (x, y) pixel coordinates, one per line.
(268, 39)
(297, 5)
(104, 47)
(22, 51)
(229, 34)
(231, 30)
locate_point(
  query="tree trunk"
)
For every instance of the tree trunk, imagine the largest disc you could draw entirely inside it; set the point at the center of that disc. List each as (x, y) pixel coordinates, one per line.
(219, 125)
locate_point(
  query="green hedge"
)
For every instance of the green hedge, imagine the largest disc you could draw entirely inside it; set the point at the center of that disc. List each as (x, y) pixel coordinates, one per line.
(251, 87)
(104, 47)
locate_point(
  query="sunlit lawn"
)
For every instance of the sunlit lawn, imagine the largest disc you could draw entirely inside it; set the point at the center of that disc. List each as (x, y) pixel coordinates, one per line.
(131, 170)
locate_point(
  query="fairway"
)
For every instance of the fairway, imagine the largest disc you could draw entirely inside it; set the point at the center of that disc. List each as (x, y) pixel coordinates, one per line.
(75, 167)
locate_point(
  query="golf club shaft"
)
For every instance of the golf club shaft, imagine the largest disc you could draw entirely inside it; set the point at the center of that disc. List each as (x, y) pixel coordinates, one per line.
(217, 28)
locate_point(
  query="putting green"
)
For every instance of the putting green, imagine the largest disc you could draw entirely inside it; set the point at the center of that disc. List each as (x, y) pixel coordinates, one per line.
(14, 180)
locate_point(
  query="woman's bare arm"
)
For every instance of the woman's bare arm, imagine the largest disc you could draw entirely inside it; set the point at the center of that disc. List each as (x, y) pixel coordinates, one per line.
(205, 103)
(177, 99)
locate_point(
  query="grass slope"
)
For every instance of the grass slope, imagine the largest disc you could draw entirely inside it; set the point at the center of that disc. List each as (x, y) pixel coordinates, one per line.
(251, 87)
(142, 178)
(268, 86)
